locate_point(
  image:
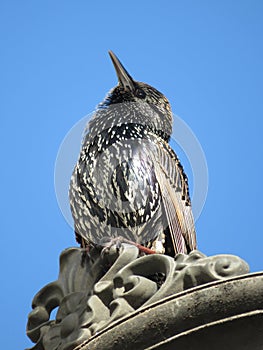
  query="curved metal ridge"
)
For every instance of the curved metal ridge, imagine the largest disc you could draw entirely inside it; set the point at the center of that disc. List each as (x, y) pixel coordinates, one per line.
(187, 292)
(210, 331)
(188, 315)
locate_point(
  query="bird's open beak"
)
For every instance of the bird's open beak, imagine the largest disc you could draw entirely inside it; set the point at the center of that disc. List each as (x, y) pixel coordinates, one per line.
(123, 76)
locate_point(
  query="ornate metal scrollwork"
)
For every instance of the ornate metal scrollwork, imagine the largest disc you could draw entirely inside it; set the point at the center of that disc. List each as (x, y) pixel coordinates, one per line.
(94, 290)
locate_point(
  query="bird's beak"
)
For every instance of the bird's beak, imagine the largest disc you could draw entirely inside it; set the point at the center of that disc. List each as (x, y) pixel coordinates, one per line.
(123, 76)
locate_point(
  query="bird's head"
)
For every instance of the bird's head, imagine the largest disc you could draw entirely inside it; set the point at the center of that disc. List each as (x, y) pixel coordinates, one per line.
(143, 95)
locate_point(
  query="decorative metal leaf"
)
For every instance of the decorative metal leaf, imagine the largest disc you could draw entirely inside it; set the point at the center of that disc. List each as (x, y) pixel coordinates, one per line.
(94, 290)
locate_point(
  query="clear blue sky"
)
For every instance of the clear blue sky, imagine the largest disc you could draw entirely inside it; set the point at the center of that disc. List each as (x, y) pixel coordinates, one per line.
(206, 56)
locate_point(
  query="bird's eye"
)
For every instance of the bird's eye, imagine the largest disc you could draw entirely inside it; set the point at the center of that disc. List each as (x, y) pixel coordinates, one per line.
(140, 93)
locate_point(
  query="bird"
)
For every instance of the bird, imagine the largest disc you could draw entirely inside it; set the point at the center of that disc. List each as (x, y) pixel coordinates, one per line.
(128, 184)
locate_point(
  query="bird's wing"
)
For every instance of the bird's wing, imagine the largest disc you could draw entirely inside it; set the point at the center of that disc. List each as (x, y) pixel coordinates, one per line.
(176, 201)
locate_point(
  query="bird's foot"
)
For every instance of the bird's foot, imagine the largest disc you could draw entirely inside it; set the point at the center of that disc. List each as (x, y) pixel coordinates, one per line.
(86, 256)
(142, 248)
(118, 243)
(158, 244)
(107, 244)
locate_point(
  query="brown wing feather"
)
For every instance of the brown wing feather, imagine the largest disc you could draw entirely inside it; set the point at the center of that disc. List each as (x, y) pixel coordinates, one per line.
(176, 201)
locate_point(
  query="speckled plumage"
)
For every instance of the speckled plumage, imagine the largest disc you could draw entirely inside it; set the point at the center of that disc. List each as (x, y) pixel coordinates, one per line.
(128, 182)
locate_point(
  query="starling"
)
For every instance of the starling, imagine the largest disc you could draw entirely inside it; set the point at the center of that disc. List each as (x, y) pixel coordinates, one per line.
(128, 184)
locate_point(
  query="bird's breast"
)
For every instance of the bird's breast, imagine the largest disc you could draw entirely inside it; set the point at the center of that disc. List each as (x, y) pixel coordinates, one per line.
(117, 169)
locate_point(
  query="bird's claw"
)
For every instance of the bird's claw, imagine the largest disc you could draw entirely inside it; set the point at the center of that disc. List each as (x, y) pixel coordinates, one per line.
(113, 245)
